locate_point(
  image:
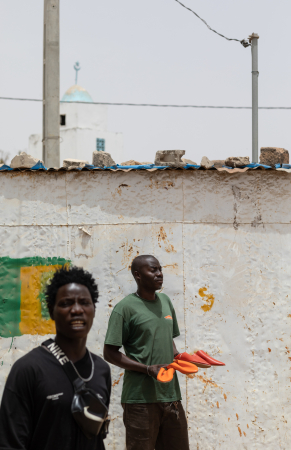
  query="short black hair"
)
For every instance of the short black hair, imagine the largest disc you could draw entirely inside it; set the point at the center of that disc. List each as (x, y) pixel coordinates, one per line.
(67, 275)
(139, 261)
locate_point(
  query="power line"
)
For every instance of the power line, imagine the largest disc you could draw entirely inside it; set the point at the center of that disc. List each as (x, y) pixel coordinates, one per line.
(151, 104)
(244, 42)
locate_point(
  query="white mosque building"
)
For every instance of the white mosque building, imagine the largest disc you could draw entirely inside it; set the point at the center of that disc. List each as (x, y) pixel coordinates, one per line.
(83, 129)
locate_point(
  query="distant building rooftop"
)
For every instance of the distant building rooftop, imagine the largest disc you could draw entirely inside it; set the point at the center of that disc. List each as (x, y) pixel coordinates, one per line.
(77, 94)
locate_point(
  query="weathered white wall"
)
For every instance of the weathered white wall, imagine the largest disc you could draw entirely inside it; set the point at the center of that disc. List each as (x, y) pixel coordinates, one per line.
(229, 233)
(84, 115)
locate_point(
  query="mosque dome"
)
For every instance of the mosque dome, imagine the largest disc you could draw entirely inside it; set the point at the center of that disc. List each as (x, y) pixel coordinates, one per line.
(77, 94)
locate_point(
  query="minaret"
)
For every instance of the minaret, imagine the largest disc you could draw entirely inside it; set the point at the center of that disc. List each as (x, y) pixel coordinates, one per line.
(77, 68)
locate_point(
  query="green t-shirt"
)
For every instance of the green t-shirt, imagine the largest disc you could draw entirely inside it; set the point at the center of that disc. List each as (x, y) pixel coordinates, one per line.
(146, 330)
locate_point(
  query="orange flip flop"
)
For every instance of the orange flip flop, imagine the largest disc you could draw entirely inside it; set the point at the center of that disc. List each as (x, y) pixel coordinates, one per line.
(183, 367)
(165, 376)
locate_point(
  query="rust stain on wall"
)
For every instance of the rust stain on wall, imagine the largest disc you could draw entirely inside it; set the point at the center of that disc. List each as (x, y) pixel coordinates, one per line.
(207, 382)
(161, 184)
(209, 298)
(190, 375)
(225, 396)
(116, 382)
(239, 430)
(172, 268)
(129, 253)
(121, 186)
(162, 238)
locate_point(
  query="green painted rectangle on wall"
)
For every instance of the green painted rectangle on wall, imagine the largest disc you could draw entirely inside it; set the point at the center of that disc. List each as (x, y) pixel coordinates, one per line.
(10, 289)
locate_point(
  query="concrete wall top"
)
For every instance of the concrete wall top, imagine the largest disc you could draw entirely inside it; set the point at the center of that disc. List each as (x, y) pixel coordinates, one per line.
(92, 197)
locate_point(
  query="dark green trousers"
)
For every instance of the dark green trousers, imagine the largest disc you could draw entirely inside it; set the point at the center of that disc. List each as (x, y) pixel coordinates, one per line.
(155, 426)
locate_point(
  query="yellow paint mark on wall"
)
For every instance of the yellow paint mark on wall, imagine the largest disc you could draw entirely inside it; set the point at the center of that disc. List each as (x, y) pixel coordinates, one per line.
(209, 298)
(32, 321)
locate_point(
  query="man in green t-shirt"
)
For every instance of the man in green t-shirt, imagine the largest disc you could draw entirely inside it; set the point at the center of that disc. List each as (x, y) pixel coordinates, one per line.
(145, 324)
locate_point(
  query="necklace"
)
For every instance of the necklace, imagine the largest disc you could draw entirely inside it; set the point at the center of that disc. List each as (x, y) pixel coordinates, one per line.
(92, 371)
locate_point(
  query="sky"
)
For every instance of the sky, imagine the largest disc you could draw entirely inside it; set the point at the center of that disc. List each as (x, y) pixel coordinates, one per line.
(154, 51)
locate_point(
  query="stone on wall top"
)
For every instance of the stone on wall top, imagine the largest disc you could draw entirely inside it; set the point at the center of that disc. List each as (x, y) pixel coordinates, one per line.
(237, 161)
(206, 163)
(132, 162)
(69, 162)
(23, 161)
(169, 158)
(274, 155)
(102, 159)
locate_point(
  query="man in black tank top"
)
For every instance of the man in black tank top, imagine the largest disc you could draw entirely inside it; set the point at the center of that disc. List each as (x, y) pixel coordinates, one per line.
(35, 412)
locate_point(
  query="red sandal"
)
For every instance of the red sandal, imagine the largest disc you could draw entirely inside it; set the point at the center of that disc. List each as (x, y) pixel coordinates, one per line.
(194, 359)
(208, 359)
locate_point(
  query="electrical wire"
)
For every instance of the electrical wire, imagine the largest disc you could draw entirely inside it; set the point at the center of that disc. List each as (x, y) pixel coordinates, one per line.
(151, 104)
(244, 42)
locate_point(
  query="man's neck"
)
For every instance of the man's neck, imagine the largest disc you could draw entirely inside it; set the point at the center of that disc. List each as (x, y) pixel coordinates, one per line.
(146, 295)
(75, 349)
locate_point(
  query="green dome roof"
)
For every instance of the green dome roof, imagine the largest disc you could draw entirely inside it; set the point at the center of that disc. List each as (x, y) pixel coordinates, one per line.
(77, 94)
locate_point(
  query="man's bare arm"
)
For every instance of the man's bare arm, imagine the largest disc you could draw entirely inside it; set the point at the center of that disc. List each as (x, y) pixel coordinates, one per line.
(176, 352)
(114, 356)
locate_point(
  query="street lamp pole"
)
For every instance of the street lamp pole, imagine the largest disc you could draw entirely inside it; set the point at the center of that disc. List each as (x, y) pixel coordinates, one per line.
(255, 98)
(51, 84)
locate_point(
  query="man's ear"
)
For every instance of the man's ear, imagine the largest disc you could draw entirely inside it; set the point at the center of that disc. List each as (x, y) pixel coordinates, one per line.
(137, 276)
